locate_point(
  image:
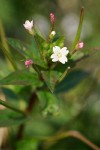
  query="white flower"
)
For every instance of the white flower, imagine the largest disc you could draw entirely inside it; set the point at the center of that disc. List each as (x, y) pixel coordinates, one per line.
(59, 54)
(53, 33)
(28, 25)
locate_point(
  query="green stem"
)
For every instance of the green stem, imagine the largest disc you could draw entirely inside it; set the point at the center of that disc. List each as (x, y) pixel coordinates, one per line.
(76, 40)
(28, 111)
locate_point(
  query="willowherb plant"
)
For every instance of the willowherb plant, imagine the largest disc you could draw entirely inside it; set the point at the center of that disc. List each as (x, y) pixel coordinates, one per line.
(47, 62)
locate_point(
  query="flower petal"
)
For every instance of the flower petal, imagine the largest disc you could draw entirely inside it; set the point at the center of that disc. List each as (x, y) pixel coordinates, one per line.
(63, 59)
(28, 25)
(64, 51)
(54, 57)
(56, 49)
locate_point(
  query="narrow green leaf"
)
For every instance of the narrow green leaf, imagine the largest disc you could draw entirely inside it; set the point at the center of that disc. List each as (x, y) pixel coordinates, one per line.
(10, 106)
(36, 48)
(71, 80)
(18, 45)
(5, 48)
(29, 51)
(77, 37)
(10, 94)
(23, 77)
(37, 31)
(59, 41)
(11, 118)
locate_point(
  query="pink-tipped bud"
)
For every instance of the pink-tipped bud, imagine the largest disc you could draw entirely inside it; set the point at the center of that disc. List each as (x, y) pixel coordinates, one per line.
(28, 63)
(52, 18)
(80, 45)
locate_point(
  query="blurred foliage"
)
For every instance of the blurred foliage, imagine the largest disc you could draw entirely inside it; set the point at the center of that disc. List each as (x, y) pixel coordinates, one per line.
(79, 106)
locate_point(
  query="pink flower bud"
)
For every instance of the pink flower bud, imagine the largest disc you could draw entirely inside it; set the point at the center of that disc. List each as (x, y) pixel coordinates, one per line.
(80, 45)
(28, 63)
(52, 18)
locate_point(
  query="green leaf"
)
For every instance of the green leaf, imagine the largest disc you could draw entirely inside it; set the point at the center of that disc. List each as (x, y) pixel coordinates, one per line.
(43, 47)
(71, 80)
(48, 103)
(54, 76)
(18, 45)
(35, 48)
(25, 92)
(29, 51)
(27, 144)
(21, 77)
(38, 31)
(5, 48)
(59, 41)
(42, 44)
(11, 106)
(10, 94)
(11, 118)
(77, 37)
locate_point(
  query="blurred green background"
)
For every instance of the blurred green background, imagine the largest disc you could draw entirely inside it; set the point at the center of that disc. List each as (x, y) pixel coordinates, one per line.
(80, 105)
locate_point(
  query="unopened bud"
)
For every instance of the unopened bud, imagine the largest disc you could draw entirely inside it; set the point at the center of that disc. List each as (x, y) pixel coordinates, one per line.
(80, 45)
(28, 63)
(53, 33)
(52, 18)
(69, 67)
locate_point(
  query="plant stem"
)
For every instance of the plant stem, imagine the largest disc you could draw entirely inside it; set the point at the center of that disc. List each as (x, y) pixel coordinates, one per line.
(27, 111)
(31, 102)
(74, 134)
(78, 30)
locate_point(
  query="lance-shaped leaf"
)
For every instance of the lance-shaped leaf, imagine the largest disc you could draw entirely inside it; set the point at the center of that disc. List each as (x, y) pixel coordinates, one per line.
(11, 118)
(10, 94)
(71, 80)
(5, 48)
(18, 45)
(23, 77)
(77, 37)
(11, 106)
(42, 43)
(59, 41)
(29, 51)
(48, 102)
(34, 47)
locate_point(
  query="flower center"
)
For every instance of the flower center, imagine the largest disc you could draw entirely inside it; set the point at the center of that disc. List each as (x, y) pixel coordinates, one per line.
(59, 55)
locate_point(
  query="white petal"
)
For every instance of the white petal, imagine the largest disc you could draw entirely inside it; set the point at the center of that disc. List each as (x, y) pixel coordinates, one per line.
(56, 49)
(25, 25)
(28, 25)
(31, 23)
(54, 58)
(63, 59)
(64, 51)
